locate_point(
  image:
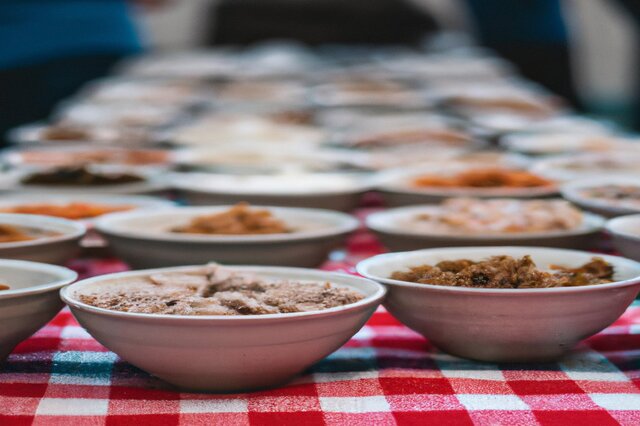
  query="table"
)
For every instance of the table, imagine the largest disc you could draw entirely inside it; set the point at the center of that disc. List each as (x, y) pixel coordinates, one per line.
(386, 375)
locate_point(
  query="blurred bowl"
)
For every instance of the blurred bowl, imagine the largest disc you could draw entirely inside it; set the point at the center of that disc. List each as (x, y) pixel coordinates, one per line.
(31, 301)
(60, 246)
(143, 239)
(625, 231)
(388, 226)
(334, 191)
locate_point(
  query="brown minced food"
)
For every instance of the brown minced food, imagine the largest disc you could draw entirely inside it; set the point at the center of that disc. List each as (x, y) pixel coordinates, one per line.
(215, 290)
(506, 272)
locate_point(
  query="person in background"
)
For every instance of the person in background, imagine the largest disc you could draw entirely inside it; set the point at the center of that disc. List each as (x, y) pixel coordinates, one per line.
(632, 7)
(52, 47)
(533, 35)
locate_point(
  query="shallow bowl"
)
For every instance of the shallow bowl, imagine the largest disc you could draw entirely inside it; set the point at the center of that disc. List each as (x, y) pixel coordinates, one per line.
(57, 248)
(387, 225)
(143, 239)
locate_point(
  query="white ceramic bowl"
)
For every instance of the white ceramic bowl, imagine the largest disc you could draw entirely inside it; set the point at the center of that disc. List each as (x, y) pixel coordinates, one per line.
(397, 189)
(392, 229)
(137, 202)
(572, 191)
(11, 181)
(504, 325)
(580, 166)
(48, 249)
(334, 191)
(227, 353)
(625, 231)
(143, 239)
(31, 301)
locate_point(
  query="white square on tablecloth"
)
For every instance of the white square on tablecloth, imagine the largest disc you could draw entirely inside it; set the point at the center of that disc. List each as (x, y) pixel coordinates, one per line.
(72, 407)
(362, 404)
(492, 402)
(617, 401)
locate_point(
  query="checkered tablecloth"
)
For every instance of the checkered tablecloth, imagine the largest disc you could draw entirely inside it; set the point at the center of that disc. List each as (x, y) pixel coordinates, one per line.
(385, 375)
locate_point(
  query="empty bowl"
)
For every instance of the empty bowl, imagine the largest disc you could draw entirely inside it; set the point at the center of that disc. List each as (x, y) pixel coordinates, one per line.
(504, 325)
(222, 353)
(31, 301)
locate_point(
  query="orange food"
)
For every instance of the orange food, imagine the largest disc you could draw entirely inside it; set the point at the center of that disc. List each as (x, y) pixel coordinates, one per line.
(11, 234)
(240, 219)
(73, 211)
(484, 178)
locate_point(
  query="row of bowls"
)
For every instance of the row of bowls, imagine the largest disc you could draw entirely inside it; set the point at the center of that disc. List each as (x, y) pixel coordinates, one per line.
(143, 239)
(229, 353)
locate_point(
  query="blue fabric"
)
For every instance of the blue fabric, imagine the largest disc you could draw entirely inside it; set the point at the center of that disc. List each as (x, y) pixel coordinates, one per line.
(33, 31)
(519, 21)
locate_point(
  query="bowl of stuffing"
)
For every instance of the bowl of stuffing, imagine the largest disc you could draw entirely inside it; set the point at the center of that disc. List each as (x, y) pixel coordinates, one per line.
(505, 304)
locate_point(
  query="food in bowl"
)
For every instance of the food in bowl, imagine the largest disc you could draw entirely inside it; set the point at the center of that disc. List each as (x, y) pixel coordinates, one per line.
(71, 210)
(93, 156)
(216, 290)
(79, 176)
(619, 194)
(483, 178)
(506, 272)
(240, 219)
(496, 216)
(4, 287)
(13, 234)
(415, 136)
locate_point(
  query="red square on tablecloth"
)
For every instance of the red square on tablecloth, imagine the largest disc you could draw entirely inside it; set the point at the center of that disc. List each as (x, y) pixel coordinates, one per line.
(16, 420)
(544, 387)
(439, 418)
(149, 419)
(408, 385)
(309, 418)
(574, 417)
(33, 390)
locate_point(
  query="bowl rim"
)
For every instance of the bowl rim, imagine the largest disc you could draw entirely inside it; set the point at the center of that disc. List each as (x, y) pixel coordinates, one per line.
(66, 276)
(571, 192)
(363, 267)
(593, 223)
(347, 224)
(612, 226)
(77, 229)
(395, 181)
(180, 181)
(374, 299)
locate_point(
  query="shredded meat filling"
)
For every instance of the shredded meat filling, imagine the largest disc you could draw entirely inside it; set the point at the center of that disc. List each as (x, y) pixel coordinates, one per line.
(215, 290)
(506, 272)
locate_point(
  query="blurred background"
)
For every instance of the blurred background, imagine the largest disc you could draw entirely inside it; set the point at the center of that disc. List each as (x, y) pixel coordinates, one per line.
(602, 36)
(584, 50)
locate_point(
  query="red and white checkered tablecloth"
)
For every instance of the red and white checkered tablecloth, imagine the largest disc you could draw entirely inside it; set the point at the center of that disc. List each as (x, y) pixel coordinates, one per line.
(386, 375)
